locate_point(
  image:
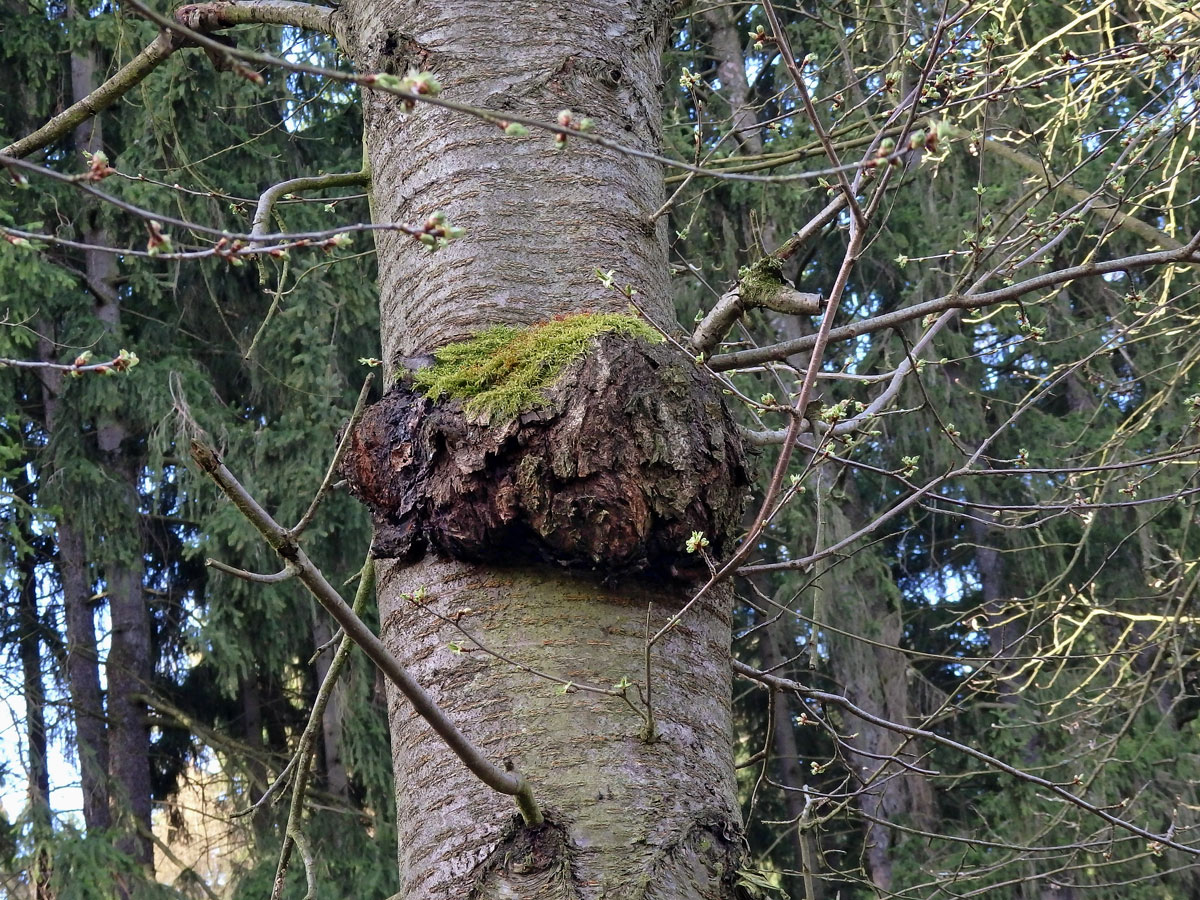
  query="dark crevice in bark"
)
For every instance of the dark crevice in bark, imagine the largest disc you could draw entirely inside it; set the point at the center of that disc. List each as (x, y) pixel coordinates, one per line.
(531, 863)
(539, 864)
(632, 454)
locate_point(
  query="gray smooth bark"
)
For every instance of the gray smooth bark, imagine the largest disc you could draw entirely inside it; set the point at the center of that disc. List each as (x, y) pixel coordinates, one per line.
(626, 818)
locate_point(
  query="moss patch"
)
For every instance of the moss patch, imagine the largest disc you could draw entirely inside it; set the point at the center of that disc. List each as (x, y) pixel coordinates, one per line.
(503, 371)
(761, 281)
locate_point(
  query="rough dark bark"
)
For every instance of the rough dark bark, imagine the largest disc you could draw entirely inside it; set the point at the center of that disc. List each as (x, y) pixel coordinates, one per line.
(635, 819)
(632, 454)
(83, 678)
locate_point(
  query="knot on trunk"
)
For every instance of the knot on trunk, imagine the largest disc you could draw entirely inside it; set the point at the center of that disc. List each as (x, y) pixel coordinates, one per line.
(629, 452)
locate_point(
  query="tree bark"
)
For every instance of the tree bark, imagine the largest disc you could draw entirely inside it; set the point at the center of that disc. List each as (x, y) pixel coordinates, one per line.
(83, 678)
(128, 671)
(129, 666)
(337, 782)
(83, 663)
(626, 816)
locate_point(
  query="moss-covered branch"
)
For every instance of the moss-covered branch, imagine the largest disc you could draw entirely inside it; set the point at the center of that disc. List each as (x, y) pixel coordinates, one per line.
(760, 286)
(130, 75)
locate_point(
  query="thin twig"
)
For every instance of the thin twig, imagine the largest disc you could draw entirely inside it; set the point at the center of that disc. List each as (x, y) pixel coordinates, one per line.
(777, 683)
(359, 405)
(511, 783)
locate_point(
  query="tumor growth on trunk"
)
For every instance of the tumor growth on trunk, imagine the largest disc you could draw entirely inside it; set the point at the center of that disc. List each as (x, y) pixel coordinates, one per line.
(585, 441)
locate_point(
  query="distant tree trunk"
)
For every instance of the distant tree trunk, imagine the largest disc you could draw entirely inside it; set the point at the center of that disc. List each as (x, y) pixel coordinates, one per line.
(627, 817)
(83, 664)
(128, 671)
(29, 649)
(129, 664)
(83, 677)
(777, 648)
(29, 642)
(1003, 626)
(336, 780)
(874, 677)
(252, 736)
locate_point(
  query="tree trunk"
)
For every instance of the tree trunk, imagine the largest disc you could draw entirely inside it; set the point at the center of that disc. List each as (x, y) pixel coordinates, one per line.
(29, 650)
(777, 647)
(129, 665)
(336, 780)
(83, 664)
(83, 678)
(128, 670)
(29, 642)
(627, 816)
(875, 678)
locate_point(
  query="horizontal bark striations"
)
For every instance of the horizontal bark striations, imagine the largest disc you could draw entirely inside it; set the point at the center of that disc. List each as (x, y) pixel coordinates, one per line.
(632, 453)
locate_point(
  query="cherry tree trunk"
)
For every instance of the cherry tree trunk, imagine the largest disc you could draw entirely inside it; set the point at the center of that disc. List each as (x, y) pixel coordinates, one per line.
(632, 812)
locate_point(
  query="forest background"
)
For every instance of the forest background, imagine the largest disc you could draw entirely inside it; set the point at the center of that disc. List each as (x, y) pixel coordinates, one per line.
(973, 594)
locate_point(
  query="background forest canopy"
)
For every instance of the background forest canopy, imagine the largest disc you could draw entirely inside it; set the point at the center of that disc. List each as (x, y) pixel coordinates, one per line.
(964, 595)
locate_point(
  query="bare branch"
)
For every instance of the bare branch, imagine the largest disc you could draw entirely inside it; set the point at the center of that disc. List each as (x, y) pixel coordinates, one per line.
(266, 202)
(1186, 254)
(512, 783)
(284, 574)
(777, 683)
(302, 760)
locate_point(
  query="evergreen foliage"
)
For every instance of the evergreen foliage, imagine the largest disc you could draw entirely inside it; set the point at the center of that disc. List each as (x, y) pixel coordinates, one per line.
(1039, 608)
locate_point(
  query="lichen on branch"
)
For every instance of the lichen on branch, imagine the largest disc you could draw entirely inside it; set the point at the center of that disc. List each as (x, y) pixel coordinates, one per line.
(503, 371)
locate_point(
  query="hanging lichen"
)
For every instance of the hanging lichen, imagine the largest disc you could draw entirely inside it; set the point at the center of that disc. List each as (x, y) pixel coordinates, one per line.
(503, 371)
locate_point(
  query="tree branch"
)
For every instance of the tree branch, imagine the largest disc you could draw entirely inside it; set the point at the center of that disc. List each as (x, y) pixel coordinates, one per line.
(776, 683)
(512, 783)
(1187, 254)
(130, 75)
(206, 17)
(304, 749)
(202, 17)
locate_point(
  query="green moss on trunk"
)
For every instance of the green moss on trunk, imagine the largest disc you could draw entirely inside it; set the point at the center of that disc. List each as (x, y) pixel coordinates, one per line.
(503, 371)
